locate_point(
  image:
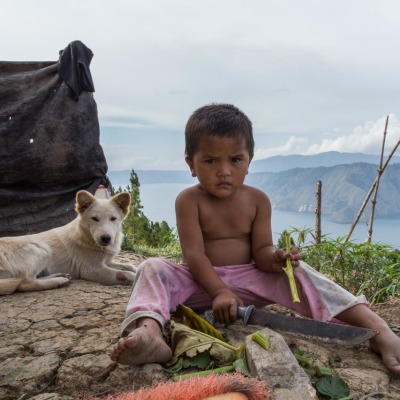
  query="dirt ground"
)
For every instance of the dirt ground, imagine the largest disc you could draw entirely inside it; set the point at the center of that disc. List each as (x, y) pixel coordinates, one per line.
(56, 345)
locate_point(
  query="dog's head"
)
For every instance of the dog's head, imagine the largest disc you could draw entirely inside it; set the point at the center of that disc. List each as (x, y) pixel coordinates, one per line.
(103, 218)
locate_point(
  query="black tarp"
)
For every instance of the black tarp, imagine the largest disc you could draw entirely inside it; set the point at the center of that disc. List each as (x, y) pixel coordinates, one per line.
(49, 141)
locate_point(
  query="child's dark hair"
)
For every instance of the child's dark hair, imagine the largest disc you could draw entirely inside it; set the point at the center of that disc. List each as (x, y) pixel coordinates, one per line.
(224, 120)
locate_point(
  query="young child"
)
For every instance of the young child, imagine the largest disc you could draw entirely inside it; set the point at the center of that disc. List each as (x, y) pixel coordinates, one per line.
(224, 228)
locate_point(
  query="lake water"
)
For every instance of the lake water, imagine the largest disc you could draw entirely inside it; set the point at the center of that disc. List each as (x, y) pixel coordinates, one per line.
(158, 202)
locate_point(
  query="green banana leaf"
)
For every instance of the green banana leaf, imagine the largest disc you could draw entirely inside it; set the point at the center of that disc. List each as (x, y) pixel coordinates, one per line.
(188, 317)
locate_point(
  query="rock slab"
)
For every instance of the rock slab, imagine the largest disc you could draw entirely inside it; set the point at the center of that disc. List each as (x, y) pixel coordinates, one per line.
(278, 367)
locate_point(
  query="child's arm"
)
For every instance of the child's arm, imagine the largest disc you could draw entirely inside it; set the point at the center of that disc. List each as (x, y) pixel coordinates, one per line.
(265, 255)
(224, 301)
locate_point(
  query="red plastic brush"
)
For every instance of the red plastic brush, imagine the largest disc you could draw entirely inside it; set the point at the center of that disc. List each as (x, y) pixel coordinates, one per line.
(233, 386)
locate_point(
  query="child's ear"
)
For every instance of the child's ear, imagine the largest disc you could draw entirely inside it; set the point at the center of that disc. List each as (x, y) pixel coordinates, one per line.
(249, 165)
(189, 162)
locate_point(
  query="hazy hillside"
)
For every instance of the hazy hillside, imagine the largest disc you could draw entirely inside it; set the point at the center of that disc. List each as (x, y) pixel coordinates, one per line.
(344, 188)
(328, 159)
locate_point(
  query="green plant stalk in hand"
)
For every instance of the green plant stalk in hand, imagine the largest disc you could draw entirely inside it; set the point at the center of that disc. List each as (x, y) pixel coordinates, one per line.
(289, 271)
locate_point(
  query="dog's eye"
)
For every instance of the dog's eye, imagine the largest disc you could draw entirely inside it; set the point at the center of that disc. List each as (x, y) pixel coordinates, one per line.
(95, 219)
(113, 219)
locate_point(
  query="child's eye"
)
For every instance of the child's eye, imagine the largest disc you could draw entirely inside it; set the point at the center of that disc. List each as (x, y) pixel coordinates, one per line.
(210, 161)
(236, 160)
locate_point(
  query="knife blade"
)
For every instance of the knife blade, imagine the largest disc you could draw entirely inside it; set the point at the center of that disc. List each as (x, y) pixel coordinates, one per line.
(341, 334)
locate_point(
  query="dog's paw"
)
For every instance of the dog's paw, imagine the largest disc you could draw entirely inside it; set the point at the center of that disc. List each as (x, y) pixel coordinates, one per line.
(123, 267)
(131, 267)
(63, 281)
(126, 277)
(58, 275)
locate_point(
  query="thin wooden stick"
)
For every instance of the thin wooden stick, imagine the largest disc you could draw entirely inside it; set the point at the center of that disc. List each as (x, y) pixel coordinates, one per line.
(369, 194)
(380, 171)
(317, 239)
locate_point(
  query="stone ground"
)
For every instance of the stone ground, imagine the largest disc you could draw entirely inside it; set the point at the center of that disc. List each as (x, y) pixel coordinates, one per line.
(56, 345)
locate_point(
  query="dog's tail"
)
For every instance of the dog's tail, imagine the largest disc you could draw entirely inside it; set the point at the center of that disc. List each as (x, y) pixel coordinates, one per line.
(9, 285)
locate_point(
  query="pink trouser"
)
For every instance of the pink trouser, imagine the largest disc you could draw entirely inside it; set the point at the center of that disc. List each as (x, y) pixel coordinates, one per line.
(161, 285)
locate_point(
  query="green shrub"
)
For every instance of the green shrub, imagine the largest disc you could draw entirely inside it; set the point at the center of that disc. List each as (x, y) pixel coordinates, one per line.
(143, 236)
(366, 268)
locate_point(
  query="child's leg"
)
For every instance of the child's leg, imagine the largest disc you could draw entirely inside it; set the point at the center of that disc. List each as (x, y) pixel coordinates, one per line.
(357, 314)
(385, 342)
(160, 286)
(354, 312)
(320, 299)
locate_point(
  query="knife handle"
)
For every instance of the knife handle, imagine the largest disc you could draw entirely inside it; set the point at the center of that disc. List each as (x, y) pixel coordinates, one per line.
(244, 313)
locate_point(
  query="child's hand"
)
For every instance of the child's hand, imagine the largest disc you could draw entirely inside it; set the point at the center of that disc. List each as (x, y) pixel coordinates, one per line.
(225, 306)
(280, 256)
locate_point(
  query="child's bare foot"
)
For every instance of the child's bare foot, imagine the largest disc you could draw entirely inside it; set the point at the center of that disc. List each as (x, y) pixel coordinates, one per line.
(387, 343)
(143, 345)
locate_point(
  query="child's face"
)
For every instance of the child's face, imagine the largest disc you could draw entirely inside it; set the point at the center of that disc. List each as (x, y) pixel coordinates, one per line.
(220, 164)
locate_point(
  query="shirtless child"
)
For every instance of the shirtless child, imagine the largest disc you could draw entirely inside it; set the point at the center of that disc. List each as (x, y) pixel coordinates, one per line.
(224, 228)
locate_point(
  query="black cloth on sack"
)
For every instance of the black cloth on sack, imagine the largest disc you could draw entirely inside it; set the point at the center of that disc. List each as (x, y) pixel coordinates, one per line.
(73, 67)
(49, 142)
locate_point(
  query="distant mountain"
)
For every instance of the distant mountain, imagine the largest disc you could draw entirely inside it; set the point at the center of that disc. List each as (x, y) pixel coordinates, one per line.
(344, 188)
(270, 164)
(327, 159)
(290, 182)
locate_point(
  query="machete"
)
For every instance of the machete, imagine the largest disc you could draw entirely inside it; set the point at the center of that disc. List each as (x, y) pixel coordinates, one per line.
(337, 333)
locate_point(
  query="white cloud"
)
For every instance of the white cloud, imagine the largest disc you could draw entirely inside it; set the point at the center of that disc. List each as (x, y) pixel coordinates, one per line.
(366, 138)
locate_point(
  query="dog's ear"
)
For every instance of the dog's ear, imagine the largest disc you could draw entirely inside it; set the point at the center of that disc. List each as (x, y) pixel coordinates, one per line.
(84, 200)
(123, 201)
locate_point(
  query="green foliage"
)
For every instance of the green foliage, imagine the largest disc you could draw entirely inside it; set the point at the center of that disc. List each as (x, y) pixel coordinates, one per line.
(172, 251)
(328, 385)
(198, 345)
(188, 317)
(241, 366)
(366, 268)
(188, 344)
(142, 235)
(333, 388)
(201, 361)
(301, 235)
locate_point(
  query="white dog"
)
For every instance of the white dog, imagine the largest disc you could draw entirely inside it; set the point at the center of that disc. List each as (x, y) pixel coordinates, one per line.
(84, 248)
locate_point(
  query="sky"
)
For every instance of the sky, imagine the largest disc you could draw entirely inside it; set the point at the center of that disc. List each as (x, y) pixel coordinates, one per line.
(313, 76)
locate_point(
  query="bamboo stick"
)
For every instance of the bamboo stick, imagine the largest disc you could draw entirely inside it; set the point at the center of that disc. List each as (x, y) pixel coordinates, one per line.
(317, 239)
(369, 193)
(380, 171)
